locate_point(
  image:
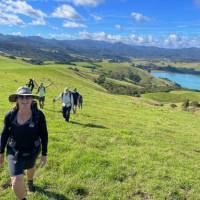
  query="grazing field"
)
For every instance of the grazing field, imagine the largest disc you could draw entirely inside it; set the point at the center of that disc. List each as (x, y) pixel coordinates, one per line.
(164, 63)
(173, 97)
(114, 148)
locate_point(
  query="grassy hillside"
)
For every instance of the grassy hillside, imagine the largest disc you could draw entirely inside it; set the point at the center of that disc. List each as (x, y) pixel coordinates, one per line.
(114, 148)
(164, 63)
(173, 97)
(133, 78)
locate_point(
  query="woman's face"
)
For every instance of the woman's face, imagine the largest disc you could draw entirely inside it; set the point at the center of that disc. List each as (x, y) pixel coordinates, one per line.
(24, 102)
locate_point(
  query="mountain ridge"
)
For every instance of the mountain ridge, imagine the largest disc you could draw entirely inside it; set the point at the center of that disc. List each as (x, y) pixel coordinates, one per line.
(36, 47)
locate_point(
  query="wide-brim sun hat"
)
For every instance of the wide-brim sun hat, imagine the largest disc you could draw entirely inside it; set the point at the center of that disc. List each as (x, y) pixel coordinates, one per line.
(22, 91)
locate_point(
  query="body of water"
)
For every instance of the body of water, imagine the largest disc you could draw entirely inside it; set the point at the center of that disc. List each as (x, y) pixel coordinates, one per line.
(189, 81)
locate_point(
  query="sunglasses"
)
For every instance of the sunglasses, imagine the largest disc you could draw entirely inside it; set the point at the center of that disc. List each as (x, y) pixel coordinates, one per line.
(24, 96)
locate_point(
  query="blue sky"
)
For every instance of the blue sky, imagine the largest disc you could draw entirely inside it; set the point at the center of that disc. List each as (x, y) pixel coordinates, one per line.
(163, 23)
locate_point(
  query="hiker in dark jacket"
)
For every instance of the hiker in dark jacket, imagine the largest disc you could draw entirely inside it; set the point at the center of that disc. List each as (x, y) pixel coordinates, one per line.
(80, 101)
(31, 84)
(76, 96)
(67, 103)
(24, 135)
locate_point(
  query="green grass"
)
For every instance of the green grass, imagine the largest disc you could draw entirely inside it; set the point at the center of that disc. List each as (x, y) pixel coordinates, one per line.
(114, 148)
(147, 80)
(164, 63)
(173, 97)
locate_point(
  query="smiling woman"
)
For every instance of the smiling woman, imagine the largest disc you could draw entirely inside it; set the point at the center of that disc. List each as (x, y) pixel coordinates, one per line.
(24, 133)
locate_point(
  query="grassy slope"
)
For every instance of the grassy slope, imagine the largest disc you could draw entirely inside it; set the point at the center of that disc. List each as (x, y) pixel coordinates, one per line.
(114, 149)
(173, 97)
(146, 78)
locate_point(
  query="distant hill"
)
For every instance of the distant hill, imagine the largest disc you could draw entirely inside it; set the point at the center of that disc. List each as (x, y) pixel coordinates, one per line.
(68, 50)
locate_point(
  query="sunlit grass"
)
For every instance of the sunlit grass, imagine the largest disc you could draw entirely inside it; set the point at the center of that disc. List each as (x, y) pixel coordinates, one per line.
(114, 148)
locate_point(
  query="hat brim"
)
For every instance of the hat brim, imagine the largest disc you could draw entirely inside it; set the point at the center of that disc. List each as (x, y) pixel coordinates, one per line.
(13, 97)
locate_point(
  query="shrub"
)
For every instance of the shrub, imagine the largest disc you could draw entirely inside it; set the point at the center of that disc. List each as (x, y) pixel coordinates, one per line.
(173, 105)
(195, 104)
(101, 79)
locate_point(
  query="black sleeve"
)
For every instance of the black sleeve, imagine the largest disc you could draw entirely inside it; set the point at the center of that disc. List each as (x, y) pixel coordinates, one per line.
(43, 134)
(5, 133)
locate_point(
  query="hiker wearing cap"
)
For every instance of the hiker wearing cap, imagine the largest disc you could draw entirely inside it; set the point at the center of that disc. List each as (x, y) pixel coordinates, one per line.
(67, 103)
(42, 91)
(76, 96)
(24, 135)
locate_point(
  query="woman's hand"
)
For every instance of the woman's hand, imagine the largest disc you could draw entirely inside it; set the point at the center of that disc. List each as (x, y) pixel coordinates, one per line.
(43, 161)
(1, 159)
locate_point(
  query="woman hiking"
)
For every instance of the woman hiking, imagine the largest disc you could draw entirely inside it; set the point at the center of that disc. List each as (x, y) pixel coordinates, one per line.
(24, 135)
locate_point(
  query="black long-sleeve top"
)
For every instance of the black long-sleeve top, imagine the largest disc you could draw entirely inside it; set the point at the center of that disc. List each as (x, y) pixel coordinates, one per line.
(26, 134)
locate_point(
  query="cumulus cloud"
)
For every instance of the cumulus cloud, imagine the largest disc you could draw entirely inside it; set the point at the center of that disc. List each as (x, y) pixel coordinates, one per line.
(74, 25)
(172, 40)
(131, 39)
(66, 12)
(9, 10)
(92, 3)
(87, 2)
(100, 36)
(10, 19)
(21, 7)
(138, 17)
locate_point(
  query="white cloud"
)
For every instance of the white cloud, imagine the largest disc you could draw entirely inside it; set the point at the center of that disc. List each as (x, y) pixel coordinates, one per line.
(62, 36)
(140, 40)
(38, 22)
(74, 25)
(66, 12)
(10, 8)
(119, 27)
(138, 17)
(21, 7)
(87, 2)
(17, 33)
(10, 19)
(172, 40)
(85, 35)
(132, 39)
(101, 36)
(96, 17)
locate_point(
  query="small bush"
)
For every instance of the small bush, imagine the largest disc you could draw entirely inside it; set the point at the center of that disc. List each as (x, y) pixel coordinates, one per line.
(195, 104)
(101, 79)
(173, 105)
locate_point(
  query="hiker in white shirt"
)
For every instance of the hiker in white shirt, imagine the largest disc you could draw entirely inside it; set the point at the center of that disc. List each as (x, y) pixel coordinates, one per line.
(42, 91)
(66, 98)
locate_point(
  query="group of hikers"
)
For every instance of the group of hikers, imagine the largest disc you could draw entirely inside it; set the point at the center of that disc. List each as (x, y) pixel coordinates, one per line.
(70, 99)
(25, 133)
